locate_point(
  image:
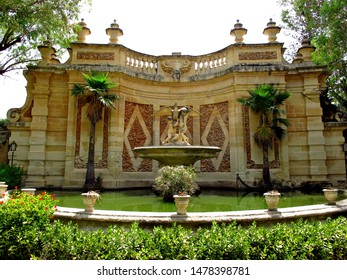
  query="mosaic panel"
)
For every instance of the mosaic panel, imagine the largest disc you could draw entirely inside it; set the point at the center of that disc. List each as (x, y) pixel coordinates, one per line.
(138, 131)
(214, 123)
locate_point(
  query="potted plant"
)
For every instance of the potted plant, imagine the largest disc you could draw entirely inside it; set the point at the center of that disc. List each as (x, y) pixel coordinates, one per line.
(331, 195)
(89, 199)
(176, 183)
(272, 198)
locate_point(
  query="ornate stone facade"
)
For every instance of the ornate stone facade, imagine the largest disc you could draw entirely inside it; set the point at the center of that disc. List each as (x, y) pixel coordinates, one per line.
(51, 129)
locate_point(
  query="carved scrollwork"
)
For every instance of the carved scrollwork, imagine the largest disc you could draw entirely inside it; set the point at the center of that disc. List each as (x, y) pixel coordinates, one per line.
(176, 67)
(13, 114)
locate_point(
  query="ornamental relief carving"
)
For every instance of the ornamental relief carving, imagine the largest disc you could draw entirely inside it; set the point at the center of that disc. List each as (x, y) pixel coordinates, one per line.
(176, 67)
(95, 55)
(257, 55)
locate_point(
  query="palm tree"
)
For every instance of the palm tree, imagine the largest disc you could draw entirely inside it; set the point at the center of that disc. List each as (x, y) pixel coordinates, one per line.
(96, 91)
(265, 100)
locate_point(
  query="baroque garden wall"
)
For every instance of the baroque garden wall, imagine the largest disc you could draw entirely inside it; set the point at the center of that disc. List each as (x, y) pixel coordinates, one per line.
(51, 129)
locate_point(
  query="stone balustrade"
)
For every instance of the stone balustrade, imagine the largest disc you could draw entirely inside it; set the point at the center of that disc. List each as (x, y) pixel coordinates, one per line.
(175, 67)
(141, 63)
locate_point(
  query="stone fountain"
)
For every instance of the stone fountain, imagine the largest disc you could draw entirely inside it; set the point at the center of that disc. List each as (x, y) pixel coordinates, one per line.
(176, 149)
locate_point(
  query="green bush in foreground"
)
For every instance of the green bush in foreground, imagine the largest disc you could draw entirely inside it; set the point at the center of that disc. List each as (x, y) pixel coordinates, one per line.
(28, 232)
(12, 175)
(23, 221)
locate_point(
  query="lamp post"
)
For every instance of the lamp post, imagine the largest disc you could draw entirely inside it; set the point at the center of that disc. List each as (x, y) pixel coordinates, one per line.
(12, 147)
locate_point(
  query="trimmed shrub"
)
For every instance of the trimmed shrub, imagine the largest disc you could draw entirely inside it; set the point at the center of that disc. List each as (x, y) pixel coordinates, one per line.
(24, 219)
(12, 175)
(27, 232)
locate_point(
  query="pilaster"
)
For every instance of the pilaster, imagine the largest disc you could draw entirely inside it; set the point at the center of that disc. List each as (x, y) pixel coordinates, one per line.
(315, 129)
(37, 143)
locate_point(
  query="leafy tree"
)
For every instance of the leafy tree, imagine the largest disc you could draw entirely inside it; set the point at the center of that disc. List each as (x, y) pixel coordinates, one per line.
(25, 24)
(96, 91)
(265, 100)
(324, 22)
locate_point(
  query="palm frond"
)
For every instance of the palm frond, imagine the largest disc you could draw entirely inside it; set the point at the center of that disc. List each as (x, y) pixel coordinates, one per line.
(78, 89)
(264, 135)
(279, 132)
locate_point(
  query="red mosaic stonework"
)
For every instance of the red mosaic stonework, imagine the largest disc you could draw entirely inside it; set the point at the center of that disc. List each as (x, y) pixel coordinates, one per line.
(216, 136)
(137, 136)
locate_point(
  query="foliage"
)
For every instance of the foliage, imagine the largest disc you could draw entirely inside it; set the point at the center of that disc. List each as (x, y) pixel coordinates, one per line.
(31, 234)
(325, 24)
(96, 92)
(4, 122)
(174, 180)
(12, 175)
(25, 24)
(24, 220)
(265, 100)
(96, 87)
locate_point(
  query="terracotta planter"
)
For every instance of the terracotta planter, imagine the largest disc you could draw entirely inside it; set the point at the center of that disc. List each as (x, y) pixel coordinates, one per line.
(272, 200)
(89, 201)
(182, 202)
(331, 195)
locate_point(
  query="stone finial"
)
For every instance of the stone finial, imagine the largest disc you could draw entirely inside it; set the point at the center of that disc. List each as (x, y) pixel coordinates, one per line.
(298, 58)
(271, 30)
(82, 32)
(114, 32)
(47, 51)
(238, 31)
(306, 49)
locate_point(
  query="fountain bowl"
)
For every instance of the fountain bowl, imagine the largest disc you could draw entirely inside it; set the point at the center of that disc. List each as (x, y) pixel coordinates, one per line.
(177, 155)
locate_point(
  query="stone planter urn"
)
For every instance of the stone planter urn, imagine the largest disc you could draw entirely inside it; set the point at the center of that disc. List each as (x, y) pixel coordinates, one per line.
(89, 200)
(3, 189)
(272, 198)
(182, 202)
(29, 191)
(330, 195)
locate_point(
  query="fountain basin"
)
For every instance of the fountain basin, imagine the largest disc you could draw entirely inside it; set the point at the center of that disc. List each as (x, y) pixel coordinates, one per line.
(177, 155)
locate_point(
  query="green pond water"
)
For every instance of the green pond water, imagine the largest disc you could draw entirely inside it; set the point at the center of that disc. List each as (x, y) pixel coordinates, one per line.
(207, 201)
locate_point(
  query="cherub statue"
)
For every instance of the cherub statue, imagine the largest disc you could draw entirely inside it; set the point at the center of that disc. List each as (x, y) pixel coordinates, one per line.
(177, 122)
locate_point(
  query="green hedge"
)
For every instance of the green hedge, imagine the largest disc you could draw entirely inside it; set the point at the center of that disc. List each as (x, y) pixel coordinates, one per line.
(29, 233)
(12, 175)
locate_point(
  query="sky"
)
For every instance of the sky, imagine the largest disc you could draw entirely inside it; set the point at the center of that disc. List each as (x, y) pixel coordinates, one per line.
(160, 27)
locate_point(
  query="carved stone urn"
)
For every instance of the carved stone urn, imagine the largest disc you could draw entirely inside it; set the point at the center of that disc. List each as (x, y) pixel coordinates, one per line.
(271, 30)
(306, 49)
(182, 202)
(331, 195)
(46, 51)
(83, 32)
(272, 199)
(29, 191)
(89, 199)
(114, 32)
(238, 31)
(3, 188)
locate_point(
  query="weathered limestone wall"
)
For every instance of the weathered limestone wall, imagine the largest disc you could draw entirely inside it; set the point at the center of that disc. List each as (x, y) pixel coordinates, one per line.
(52, 132)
